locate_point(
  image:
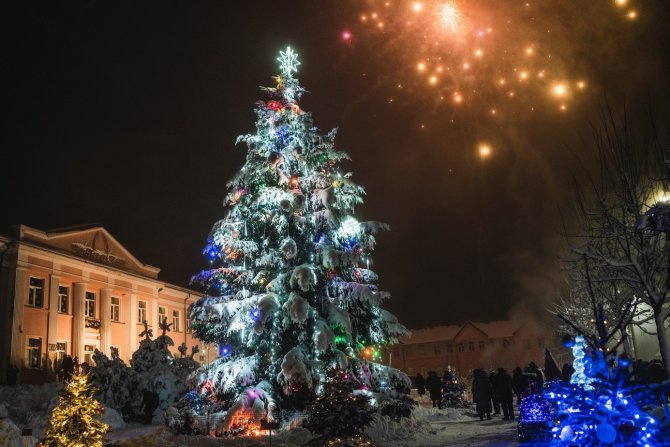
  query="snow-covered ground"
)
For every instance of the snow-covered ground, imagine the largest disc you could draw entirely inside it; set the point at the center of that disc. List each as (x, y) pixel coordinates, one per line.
(27, 407)
(427, 427)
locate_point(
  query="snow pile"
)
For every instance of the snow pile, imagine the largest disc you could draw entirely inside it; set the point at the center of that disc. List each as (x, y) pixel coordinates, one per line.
(29, 404)
(408, 431)
(112, 418)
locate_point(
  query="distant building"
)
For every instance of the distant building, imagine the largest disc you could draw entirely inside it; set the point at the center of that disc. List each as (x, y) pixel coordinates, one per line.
(506, 344)
(71, 291)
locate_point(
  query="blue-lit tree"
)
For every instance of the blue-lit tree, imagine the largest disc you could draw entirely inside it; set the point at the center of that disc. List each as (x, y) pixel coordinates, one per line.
(601, 405)
(290, 292)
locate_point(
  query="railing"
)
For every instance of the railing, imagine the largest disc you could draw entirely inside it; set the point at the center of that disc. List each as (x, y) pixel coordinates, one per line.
(92, 323)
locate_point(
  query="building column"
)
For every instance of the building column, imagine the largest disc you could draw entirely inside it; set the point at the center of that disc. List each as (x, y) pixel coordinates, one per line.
(78, 321)
(132, 323)
(52, 328)
(154, 315)
(16, 351)
(105, 320)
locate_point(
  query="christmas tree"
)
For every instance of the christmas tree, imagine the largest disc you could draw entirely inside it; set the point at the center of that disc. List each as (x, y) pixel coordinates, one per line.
(290, 292)
(73, 423)
(341, 413)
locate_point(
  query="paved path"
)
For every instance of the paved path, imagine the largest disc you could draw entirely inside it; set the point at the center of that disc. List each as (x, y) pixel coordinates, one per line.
(493, 433)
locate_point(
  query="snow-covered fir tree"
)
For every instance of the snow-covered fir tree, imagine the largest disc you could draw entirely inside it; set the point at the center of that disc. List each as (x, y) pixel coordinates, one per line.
(290, 292)
(341, 414)
(74, 421)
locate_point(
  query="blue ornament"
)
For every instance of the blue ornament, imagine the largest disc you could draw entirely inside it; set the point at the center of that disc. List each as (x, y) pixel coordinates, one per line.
(606, 433)
(255, 314)
(224, 350)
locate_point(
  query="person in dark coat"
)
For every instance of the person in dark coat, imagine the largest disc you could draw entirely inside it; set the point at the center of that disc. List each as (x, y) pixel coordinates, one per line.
(420, 384)
(12, 374)
(481, 394)
(551, 371)
(518, 384)
(447, 377)
(67, 367)
(434, 386)
(567, 372)
(503, 388)
(494, 393)
(149, 404)
(539, 377)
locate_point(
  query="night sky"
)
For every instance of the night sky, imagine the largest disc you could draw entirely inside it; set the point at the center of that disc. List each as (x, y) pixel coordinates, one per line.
(126, 114)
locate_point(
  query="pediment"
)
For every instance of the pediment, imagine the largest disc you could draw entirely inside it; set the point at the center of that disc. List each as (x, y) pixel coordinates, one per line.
(94, 244)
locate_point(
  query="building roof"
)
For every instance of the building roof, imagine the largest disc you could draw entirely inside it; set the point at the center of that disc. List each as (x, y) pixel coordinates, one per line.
(431, 334)
(493, 329)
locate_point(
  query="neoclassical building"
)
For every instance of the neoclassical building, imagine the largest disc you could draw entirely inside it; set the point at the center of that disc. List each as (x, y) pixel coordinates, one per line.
(74, 290)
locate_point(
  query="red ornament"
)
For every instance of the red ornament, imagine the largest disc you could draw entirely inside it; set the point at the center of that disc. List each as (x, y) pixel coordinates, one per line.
(275, 105)
(358, 275)
(330, 274)
(295, 387)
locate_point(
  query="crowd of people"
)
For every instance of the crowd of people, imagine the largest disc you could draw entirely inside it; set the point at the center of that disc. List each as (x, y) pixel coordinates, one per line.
(493, 392)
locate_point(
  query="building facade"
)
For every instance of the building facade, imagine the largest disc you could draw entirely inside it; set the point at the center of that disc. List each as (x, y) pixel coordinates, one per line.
(71, 291)
(472, 345)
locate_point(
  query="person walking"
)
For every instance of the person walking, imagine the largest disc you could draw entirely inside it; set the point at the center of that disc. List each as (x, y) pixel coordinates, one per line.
(67, 368)
(504, 391)
(518, 384)
(434, 386)
(494, 393)
(481, 394)
(420, 385)
(150, 402)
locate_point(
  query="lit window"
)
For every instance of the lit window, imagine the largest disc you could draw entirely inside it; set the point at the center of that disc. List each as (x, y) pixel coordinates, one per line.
(116, 308)
(162, 314)
(141, 311)
(36, 292)
(33, 352)
(63, 299)
(175, 320)
(188, 325)
(89, 305)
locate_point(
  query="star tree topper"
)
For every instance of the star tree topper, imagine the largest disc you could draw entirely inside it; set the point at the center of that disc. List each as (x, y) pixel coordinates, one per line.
(288, 62)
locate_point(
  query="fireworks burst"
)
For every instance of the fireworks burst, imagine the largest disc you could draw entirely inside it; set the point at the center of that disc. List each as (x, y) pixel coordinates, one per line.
(499, 57)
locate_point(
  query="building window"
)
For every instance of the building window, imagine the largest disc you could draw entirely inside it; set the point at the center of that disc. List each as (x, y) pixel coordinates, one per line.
(33, 352)
(175, 320)
(408, 350)
(36, 292)
(461, 347)
(89, 305)
(141, 311)
(482, 345)
(505, 343)
(471, 346)
(116, 308)
(63, 299)
(450, 348)
(162, 315)
(59, 349)
(437, 349)
(188, 325)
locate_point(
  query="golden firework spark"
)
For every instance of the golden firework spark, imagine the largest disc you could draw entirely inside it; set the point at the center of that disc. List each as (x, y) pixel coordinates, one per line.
(450, 17)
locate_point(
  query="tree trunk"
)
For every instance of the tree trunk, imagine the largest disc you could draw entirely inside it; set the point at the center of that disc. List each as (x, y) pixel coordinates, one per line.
(663, 345)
